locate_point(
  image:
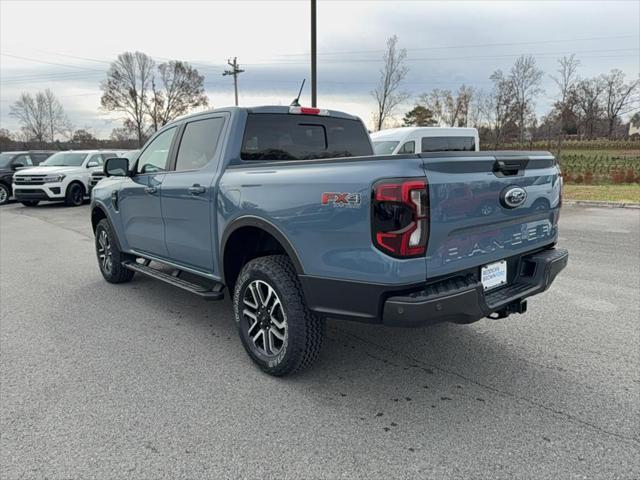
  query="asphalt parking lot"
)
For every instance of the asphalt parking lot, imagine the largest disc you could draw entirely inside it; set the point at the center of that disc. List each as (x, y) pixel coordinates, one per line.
(145, 381)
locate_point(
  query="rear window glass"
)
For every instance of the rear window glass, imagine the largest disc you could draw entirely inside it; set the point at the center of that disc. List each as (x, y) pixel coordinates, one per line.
(302, 137)
(448, 144)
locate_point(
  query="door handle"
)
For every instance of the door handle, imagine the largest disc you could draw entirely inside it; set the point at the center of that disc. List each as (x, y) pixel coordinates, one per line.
(150, 190)
(197, 189)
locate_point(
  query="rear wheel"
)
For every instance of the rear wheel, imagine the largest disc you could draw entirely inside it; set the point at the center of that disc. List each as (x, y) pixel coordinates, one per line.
(278, 331)
(110, 257)
(75, 195)
(30, 203)
(4, 194)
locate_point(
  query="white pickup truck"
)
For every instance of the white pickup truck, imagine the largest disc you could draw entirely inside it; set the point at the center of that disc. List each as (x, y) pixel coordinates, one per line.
(64, 176)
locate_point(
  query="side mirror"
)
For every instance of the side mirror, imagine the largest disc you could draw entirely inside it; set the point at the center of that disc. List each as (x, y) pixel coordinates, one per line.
(92, 164)
(17, 166)
(116, 167)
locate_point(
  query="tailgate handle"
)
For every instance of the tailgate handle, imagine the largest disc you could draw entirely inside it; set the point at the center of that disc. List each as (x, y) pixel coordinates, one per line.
(510, 168)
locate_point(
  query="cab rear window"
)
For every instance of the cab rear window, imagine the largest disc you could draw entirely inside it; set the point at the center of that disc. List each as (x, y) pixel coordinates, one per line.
(302, 137)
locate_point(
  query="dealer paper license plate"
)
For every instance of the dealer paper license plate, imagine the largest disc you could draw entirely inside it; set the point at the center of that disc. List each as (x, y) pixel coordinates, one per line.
(494, 274)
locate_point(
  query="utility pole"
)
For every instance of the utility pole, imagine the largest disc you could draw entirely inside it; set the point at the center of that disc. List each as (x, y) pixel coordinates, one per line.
(235, 71)
(314, 97)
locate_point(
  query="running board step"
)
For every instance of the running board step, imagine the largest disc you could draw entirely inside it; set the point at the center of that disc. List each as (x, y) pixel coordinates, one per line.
(214, 293)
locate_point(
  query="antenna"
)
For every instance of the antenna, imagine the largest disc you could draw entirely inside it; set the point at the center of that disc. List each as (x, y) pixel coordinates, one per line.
(296, 100)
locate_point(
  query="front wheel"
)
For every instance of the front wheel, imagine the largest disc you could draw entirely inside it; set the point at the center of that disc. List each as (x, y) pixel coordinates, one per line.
(277, 329)
(110, 257)
(75, 195)
(4, 194)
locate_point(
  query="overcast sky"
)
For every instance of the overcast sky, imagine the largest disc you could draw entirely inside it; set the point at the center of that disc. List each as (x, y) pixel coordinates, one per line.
(67, 46)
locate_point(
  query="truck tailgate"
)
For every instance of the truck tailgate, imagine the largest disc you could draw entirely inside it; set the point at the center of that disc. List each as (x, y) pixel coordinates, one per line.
(489, 206)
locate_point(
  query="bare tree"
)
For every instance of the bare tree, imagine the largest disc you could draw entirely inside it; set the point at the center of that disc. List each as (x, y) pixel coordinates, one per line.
(588, 97)
(57, 121)
(500, 105)
(617, 95)
(387, 94)
(126, 89)
(32, 114)
(462, 106)
(525, 80)
(182, 89)
(566, 81)
(438, 102)
(449, 109)
(122, 134)
(477, 109)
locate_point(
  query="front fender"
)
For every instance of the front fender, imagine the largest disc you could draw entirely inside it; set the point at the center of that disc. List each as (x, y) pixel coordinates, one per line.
(101, 209)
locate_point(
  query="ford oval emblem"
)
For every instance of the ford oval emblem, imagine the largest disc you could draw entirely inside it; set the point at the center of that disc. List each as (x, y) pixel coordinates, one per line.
(512, 196)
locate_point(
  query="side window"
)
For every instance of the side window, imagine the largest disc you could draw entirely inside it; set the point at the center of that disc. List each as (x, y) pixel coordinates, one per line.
(105, 155)
(38, 158)
(95, 160)
(435, 144)
(23, 160)
(156, 156)
(198, 143)
(448, 144)
(409, 147)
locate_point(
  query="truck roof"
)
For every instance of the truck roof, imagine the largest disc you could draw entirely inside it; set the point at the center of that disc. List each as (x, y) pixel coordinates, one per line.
(261, 109)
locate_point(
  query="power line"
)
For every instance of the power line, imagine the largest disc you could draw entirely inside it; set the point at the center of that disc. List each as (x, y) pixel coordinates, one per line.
(47, 63)
(469, 57)
(476, 45)
(81, 70)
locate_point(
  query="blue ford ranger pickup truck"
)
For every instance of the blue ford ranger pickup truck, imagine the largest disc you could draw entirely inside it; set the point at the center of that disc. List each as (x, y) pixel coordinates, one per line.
(288, 210)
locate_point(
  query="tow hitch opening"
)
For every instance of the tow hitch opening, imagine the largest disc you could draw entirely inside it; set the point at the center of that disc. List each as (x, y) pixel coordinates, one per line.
(515, 307)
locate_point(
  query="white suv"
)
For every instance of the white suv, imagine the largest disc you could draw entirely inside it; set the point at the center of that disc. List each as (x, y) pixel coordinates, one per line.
(64, 176)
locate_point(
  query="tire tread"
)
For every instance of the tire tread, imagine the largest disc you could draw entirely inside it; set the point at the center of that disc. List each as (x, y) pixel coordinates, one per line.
(307, 349)
(119, 274)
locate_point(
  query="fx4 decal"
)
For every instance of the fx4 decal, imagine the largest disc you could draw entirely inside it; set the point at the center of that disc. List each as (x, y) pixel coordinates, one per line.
(337, 199)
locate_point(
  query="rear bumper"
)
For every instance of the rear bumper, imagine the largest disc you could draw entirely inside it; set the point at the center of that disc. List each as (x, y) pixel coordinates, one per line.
(458, 299)
(463, 299)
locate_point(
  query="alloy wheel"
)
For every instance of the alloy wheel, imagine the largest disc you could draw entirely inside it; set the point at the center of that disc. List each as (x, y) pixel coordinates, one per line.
(105, 255)
(4, 195)
(264, 319)
(76, 194)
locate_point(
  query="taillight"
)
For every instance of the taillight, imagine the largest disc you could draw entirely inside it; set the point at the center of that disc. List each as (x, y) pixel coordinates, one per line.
(400, 217)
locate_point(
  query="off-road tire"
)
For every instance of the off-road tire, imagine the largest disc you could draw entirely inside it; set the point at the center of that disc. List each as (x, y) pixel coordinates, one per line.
(30, 203)
(116, 273)
(305, 330)
(75, 195)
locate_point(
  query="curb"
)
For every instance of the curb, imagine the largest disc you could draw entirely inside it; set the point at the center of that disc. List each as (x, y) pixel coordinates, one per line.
(593, 203)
